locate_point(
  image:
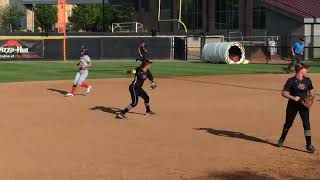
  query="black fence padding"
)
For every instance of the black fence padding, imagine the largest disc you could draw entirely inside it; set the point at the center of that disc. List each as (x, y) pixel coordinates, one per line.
(109, 48)
(53, 49)
(92, 44)
(180, 48)
(127, 47)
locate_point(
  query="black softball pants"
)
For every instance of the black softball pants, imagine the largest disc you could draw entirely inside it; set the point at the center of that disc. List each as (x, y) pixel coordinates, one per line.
(136, 93)
(292, 110)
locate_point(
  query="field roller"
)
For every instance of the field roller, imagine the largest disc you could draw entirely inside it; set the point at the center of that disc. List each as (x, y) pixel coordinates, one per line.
(224, 52)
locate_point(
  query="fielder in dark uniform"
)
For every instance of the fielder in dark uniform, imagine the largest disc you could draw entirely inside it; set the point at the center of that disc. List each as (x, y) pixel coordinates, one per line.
(142, 52)
(137, 91)
(296, 89)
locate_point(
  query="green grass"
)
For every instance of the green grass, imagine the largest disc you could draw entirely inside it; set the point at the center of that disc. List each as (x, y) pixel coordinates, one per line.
(44, 71)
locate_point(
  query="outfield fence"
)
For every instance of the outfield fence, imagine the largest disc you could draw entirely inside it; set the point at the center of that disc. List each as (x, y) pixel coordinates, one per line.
(258, 49)
(116, 47)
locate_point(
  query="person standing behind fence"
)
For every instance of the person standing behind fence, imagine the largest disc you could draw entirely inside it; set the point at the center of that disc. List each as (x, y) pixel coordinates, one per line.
(297, 51)
(272, 49)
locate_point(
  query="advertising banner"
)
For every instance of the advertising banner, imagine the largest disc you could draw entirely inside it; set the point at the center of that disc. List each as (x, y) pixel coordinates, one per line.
(21, 49)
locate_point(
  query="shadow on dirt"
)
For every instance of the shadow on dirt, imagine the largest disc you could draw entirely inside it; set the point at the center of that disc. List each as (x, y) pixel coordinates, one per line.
(227, 85)
(239, 135)
(63, 92)
(238, 175)
(111, 110)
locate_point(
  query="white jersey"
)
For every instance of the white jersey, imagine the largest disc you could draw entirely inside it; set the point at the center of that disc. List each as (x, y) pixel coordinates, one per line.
(272, 47)
(84, 61)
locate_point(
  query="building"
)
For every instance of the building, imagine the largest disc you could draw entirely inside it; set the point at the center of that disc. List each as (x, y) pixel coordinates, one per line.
(4, 3)
(288, 19)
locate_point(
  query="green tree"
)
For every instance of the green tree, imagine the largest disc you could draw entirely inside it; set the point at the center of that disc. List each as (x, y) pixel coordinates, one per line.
(90, 17)
(46, 16)
(84, 17)
(11, 16)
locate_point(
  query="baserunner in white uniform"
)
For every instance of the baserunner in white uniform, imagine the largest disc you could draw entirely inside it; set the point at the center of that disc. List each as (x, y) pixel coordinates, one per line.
(84, 64)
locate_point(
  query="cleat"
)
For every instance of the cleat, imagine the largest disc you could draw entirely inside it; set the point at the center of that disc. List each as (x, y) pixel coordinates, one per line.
(280, 142)
(89, 89)
(150, 113)
(69, 95)
(311, 149)
(121, 116)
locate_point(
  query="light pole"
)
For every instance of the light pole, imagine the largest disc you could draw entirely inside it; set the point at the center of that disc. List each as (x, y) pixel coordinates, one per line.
(103, 18)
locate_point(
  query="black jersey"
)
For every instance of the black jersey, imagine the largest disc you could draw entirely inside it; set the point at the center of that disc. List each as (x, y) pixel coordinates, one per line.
(143, 49)
(148, 73)
(298, 88)
(139, 78)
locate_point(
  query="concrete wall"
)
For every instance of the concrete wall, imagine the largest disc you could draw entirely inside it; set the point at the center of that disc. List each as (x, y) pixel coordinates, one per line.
(4, 3)
(29, 18)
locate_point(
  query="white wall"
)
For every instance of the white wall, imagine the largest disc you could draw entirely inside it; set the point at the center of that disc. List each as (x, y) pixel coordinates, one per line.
(312, 39)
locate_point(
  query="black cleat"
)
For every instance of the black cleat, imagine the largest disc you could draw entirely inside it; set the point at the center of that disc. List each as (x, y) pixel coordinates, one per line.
(150, 113)
(121, 116)
(311, 149)
(280, 142)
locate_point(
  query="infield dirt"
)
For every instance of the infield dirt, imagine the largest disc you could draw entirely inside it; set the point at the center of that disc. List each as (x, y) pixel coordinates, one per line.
(217, 127)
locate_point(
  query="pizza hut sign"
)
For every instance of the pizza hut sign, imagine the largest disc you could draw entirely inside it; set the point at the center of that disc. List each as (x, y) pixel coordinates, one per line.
(13, 49)
(10, 50)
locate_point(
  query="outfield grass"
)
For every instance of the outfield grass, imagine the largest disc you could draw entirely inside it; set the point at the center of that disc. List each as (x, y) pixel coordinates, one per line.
(44, 71)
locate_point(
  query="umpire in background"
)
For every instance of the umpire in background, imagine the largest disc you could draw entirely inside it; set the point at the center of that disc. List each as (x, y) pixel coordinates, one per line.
(297, 88)
(297, 51)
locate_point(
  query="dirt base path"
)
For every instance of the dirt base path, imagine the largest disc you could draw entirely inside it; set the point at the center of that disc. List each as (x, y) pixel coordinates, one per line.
(220, 127)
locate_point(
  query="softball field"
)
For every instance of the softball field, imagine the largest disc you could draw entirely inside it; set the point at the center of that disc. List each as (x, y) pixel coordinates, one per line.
(212, 127)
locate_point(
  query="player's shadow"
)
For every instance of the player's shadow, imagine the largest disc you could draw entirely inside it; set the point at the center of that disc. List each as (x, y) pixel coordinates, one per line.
(58, 91)
(239, 135)
(63, 92)
(227, 85)
(111, 110)
(238, 175)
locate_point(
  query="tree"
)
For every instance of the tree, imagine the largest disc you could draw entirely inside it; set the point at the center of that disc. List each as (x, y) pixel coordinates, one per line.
(11, 16)
(45, 17)
(84, 17)
(90, 17)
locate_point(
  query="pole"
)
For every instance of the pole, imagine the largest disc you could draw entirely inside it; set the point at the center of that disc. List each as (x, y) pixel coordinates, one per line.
(180, 17)
(103, 17)
(33, 9)
(62, 25)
